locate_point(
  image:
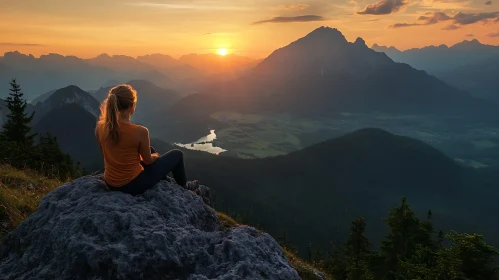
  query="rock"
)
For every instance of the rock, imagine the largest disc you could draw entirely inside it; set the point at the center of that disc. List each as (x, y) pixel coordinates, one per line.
(83, 231)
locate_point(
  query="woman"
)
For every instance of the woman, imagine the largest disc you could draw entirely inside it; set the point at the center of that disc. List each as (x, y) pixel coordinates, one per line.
(131, 165)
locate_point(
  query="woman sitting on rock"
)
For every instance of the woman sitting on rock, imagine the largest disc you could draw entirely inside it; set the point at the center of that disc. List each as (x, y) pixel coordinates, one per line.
(131, 164)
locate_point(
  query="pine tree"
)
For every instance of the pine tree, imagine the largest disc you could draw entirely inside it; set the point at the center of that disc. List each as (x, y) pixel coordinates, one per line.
(17, 127)
(357, 252)
(357, 245)
(400, 243)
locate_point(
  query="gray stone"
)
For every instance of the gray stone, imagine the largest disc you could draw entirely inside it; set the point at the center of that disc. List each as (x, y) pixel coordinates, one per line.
(83, 231)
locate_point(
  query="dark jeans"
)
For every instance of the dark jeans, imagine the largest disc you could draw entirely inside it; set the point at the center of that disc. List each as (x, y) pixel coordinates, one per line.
(172, 161)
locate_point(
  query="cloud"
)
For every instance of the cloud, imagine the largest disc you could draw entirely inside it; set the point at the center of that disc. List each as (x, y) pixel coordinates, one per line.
(451, 27)
(399, 25)
(464, 19)
(21, 44)
(488, 3)
(306, 18)
(495, 34)
(470, 35)
(383, 7)
(434, 18)
(457, 19)
(191, 6)
(292, 7)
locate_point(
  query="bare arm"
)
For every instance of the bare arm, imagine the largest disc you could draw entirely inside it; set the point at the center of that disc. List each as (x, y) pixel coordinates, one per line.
(145, 147)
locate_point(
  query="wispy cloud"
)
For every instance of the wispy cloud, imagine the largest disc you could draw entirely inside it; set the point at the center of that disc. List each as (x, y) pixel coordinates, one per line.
(451, 27)
(21, 44)
(495, 34)
(191, 6)
(456, 19)
(470, 35)
(292, 7)
(306, 18)
(383, 7)
(488, 3)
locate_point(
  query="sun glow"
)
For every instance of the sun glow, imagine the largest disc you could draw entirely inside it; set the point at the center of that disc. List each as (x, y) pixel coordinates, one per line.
(223, 52)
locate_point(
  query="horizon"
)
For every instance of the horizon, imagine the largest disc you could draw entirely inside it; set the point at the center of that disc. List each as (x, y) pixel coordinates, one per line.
(216, 52)
(252, 29)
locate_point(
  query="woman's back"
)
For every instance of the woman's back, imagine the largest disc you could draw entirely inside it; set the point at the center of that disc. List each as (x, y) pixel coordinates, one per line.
(121, 159)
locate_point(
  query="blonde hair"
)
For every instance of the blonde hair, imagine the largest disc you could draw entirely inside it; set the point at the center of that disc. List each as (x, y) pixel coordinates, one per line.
(119, 99)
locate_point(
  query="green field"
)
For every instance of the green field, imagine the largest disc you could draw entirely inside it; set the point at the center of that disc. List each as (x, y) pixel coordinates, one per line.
(266, 135)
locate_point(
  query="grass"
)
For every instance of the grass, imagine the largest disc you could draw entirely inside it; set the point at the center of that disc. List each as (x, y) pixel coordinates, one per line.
(20, 194)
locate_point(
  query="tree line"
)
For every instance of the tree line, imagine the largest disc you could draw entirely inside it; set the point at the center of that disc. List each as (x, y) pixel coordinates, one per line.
(21, 148)
(411, 250)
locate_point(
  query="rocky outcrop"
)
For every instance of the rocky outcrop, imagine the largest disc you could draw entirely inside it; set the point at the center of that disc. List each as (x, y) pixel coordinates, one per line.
(83, 231)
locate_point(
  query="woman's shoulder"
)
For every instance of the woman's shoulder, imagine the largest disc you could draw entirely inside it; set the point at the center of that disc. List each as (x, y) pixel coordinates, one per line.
(138, 128)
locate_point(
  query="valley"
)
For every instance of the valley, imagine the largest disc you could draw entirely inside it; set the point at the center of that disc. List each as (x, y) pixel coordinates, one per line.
(252, 136)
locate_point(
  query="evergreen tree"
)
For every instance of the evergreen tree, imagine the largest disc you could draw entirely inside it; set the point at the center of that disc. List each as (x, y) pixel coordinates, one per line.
(17, 127)
(357, 252)
(405, 232)
(357, 245)
(475, 254)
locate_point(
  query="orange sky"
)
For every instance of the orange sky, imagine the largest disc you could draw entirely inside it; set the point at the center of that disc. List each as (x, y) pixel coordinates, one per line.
(136, 27)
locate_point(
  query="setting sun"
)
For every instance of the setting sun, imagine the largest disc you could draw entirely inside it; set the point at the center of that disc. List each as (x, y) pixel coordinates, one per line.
(222, 52)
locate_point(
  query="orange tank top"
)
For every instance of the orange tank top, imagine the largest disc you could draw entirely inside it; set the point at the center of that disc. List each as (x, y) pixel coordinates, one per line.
(121, 160)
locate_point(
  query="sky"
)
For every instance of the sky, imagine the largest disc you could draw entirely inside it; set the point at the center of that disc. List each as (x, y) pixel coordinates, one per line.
(254, 28)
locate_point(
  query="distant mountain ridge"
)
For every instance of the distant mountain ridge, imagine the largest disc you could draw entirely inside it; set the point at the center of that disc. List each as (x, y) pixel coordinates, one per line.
(468, 65)
(40, 75)
(439, 58)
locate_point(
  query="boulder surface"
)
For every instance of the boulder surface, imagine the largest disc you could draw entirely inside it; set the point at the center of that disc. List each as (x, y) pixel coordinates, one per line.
(81, 230)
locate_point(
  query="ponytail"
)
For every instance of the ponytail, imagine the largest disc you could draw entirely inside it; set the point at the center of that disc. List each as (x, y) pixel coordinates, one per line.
(111, 125)
(119, 98)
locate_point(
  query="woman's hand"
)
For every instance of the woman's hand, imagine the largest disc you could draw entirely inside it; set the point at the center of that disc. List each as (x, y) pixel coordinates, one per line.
(155, 157)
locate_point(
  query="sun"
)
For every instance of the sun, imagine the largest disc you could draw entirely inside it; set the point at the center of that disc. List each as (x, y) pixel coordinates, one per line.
(223, 52)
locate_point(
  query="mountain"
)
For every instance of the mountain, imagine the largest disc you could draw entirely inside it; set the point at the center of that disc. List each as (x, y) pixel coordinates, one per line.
(42, 97)
(132, 68)
(64, 96)
(322, 74)
(215, 64)
(74, 128)
(435, 59)
(47, 72)
(51, 71)
(468, 65)
(314, 193)
(152, 100)
(160, 61)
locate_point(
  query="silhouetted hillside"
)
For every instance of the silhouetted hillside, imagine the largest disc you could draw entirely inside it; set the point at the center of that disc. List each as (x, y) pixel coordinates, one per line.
(42, 97)
(64, 96)
(74, 128)
(314, 193)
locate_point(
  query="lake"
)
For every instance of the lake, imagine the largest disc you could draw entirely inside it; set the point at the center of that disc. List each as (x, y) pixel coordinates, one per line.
(204, 144)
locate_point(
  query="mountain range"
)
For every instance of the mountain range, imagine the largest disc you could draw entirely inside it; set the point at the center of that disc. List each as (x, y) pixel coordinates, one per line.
(468, 65)
(322, 74)
(48, 72)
